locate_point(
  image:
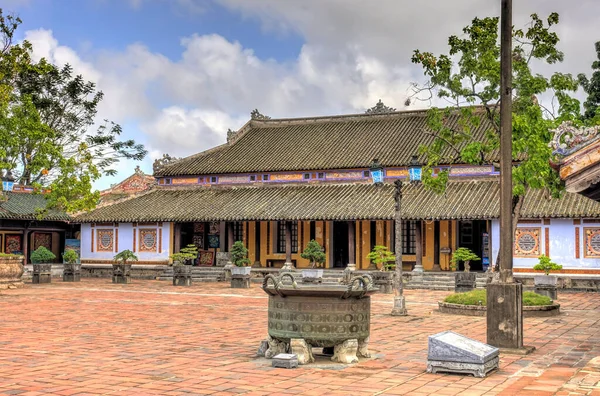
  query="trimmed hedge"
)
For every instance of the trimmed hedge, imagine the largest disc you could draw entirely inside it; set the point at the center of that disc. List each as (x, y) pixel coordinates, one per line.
(478, 297)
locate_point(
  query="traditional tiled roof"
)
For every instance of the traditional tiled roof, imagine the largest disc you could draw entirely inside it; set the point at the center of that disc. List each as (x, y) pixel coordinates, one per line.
(338, 142)
(462, 200)
(22, 206)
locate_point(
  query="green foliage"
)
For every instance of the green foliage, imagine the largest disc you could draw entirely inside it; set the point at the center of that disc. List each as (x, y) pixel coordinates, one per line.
(462, 254)
(190, 252)
(47, 121)
(380, 255)
(239, 254)
(592, 88)
(8, 255)
(468, 78)
(70, 256)
(546, 265)
(314, 253)
(125, 256)
(42, 255)
(478, 297)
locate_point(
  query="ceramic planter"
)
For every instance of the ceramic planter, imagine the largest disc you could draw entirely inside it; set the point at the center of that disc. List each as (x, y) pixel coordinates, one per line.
(72, 272)
(121, 273)
(464, 282)
(11, 272)
(546, 285)
(182, 275)
(42, 273)
(241, 271)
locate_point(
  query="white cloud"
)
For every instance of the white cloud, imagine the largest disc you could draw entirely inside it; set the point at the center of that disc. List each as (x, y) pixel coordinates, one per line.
(354, 53)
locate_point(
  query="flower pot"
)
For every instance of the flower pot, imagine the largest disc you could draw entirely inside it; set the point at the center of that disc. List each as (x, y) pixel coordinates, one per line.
(42, 273)
(11, 272)
(72, 272)
(384, 280)
(241, 271)
(182, 275)
(546, 285)
(121, 273)
(464, 282)
(312, 275)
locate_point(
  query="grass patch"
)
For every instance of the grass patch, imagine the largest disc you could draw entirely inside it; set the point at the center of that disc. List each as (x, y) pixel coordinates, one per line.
(478, 297)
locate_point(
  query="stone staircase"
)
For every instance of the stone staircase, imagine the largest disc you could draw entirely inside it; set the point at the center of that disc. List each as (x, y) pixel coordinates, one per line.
(199, 274)
(441, 281)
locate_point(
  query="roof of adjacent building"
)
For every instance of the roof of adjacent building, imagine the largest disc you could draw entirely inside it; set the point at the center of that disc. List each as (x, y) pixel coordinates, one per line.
(475, 199)
(335, 142)
(26, 206)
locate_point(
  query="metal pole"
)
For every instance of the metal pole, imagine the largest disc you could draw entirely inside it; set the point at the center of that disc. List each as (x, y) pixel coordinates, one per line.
(399, 303)
(506, 196)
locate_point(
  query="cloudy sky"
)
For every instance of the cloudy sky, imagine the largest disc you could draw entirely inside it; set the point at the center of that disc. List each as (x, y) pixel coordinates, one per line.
(178, 73)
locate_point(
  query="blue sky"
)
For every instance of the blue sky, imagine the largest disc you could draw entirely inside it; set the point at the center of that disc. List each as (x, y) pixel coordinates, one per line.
(177, 74)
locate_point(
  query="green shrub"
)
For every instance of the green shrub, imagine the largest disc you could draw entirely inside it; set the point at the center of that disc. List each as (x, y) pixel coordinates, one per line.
(465, 255)
(125, 256)
(546, 265)
(190, 252)
(42, 255)
(478, 297)
(314, 253)
(380, 255)
(9, 255)
(239, 254)
(70, 256)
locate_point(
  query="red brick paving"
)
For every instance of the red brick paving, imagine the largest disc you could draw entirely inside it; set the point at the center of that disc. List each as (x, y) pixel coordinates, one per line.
(150, 338)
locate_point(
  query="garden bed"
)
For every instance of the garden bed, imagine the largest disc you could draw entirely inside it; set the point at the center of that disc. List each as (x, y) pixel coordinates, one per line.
(474, 304)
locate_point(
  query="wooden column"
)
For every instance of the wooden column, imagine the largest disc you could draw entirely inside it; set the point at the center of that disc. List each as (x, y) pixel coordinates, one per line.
(222, 235)
(351, 245)
(25, 245)
(176, 238)
(288, 241)
(230, 236)
(419, 246)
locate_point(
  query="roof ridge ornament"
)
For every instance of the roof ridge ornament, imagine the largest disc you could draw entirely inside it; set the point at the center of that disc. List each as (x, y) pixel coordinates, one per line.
(230, 135)
(256, 115)
(568, 138)
(380, 108)
(160, 163)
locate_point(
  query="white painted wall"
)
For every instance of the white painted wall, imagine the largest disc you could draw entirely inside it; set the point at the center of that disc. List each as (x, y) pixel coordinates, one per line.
(125, 236)
(562, 244)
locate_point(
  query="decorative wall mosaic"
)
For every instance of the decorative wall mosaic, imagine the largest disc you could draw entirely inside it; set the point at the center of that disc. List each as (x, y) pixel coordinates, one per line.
(396, 173)
(345, 175)
(42, 239)
(592, 242)
(233, 179)
(527, 242)
(185, 180)
(105, 240)
(148, 240)
(286, 176)
(12, 244)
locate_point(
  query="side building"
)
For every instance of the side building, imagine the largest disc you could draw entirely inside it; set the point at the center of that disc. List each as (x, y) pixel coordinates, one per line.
(311, 178)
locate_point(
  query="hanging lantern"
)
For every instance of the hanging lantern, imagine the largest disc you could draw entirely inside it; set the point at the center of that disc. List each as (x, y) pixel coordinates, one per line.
(414, 170)
(376, 170)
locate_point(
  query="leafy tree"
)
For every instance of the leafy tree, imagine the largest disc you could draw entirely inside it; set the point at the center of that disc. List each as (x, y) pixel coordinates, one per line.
(47, 121)
(592, 88)
(546, 265)
(70, 256)
(314, 253)
(380, 255)
(125, 257)
(190, 252)
(465, 255)
(468, 78)
(42, 255)
(239, 254)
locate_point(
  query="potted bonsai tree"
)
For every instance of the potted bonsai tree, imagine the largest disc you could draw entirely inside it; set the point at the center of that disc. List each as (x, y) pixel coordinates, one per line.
(42, 259)
(385, 260)
(240, 273)
(314, 253)
(11, 271)
(122, 266)
(546, 284)
(464, 281)
(182, 268)
(72, 269)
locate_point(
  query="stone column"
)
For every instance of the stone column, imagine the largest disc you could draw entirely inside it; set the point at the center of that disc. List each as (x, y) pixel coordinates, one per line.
(351, 246)
(177, 237)
(416, 278)
(26, 246)
(230, 236)
(288, 265)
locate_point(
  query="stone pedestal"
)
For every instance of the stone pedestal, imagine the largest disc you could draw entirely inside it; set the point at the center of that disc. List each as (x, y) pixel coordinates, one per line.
(121, 273)
(42, 273)
(346, 352)
(399, 306)
(227, 269)
(505, 315)
(240, 281)
(455, 353)
(384, 280)
(72, 273)
(302, 350)
(182, 275)
(465, 282)
(547, 290)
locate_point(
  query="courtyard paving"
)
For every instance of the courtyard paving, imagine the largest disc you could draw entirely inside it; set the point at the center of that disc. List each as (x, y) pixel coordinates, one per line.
(150, 338)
